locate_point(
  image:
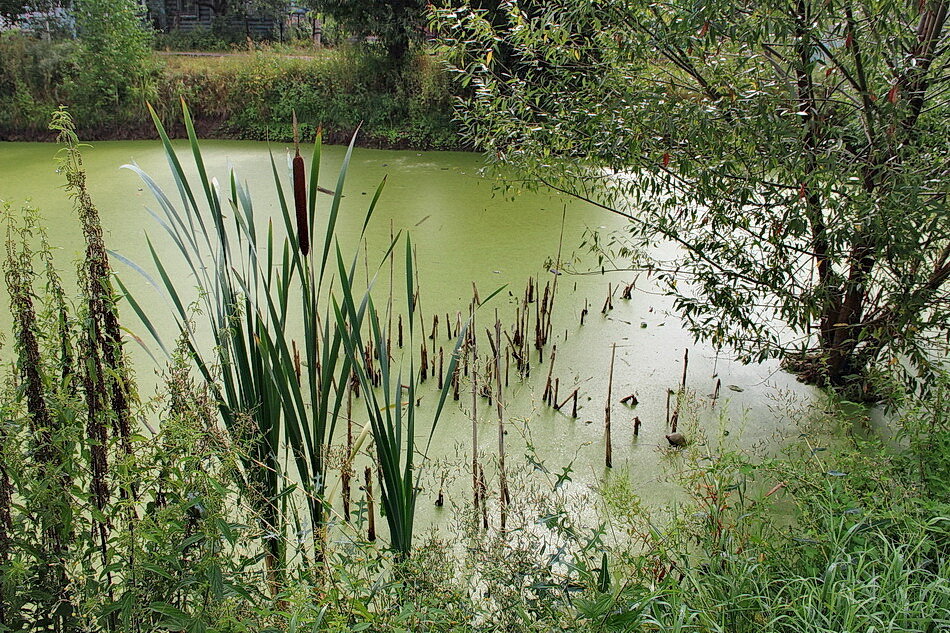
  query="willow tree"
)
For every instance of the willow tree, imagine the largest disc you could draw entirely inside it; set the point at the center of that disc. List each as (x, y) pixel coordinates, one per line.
(795, 150)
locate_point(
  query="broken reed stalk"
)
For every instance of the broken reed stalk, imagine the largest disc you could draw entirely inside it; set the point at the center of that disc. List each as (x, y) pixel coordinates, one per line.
(516, 341)
(569, 396)
(355, 383)
(557, 273)
(685, 367)
(389, 305)
(574, 408)
(441, 369)
(424, 363)
(348, 463)
(636, 426)
(440, 499)
(475, 485)
(540, 326)
(502, 477)
(608, 303)
(483, 491)
(584, 312)
(548, 396)
(507, 364)
(537, 329)
(608, 450)
(669, 393)
(715, 395)
(370, 508)
(455, 383)
(674, 420)
(368, 356)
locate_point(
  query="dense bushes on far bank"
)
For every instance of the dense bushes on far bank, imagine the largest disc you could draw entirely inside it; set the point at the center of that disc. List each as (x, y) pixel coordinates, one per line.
(242, 96)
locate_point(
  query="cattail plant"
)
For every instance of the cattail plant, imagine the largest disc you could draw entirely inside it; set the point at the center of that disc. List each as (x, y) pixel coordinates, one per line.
(248, 279)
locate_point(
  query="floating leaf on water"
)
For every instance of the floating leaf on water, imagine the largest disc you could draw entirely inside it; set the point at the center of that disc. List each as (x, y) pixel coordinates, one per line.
(735, 388)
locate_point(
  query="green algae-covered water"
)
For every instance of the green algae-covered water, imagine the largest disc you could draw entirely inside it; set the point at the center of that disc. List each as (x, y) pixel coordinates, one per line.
(466, 230)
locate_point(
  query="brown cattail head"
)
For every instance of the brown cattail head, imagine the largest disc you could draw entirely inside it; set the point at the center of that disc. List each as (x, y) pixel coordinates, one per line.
(300, 195)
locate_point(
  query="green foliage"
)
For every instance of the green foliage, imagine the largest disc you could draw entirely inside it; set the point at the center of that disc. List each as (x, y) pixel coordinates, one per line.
(10, 9)
(115, 64)
(340, 91)
(245, 96)
(190, 554)
(397, 23)
(794, 153)
(104, 529)
(34, 75)
(197, 39)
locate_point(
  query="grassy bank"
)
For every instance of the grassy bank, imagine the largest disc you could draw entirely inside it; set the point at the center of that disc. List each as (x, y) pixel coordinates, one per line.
(246, 95)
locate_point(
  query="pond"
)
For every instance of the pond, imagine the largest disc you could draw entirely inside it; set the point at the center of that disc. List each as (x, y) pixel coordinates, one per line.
(467, 231)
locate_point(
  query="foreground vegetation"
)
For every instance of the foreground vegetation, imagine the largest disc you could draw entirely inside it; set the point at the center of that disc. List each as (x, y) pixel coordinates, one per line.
(121, 515)
(245, 95)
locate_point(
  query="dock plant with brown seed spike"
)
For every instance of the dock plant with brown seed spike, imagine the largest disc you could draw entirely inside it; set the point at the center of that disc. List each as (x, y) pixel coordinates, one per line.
(46, 481)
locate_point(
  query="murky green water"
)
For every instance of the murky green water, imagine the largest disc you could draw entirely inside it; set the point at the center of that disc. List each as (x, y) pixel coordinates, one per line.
(465, 232)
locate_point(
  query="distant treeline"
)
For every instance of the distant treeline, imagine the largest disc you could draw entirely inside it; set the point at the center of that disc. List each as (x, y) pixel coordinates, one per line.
(242, 96)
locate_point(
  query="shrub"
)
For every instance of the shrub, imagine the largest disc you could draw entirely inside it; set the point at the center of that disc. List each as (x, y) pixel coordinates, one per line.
(197, 39)
(115, 62)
